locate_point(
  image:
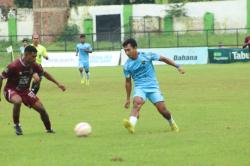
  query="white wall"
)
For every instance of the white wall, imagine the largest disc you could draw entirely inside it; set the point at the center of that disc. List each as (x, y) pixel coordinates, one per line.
(4, 30)
(149, 10)
(228, 14)
(78, 15)
(25, 23)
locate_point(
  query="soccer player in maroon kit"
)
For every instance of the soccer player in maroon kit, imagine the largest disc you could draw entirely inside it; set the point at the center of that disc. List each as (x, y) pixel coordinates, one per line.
(247, 44)
(16, 91)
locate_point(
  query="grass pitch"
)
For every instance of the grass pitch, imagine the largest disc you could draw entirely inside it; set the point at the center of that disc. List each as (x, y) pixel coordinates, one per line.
(210, 103)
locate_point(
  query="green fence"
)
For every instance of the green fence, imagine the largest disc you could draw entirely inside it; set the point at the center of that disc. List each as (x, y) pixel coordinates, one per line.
(160, 39)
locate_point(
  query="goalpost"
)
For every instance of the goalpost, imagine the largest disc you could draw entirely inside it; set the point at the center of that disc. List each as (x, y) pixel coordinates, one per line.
(10, 52)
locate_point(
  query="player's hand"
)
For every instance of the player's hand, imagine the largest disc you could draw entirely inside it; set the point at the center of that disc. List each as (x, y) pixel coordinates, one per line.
(127, 104)
(62, 87)
(181, 70)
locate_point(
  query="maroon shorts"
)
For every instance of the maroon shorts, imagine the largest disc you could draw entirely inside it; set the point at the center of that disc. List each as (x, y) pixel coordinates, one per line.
(28, 97)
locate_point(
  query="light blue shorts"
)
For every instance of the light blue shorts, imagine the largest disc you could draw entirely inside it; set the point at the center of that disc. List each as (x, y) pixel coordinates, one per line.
(84, 64)
(154, 95)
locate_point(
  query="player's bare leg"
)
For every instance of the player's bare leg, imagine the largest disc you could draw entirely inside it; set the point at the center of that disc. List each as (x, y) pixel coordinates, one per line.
(87, 77)
(17, 101)
(130, 124)
(44, 116)
(137, 104)
(81, 74)
(167, 115)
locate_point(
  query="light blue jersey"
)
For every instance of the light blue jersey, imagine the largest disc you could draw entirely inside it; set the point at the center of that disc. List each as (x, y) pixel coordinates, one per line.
(80, 47)
(83, 56)
(21, 50)
(142, 72)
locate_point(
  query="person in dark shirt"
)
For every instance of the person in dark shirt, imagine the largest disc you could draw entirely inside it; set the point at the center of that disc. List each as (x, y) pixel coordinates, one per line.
(17, 89)
(247, 44)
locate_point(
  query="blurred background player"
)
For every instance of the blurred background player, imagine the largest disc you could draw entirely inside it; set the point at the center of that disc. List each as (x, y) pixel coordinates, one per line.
(25, 43)
(247, 44)
(41, 52)
(139, 67)
(16, 91)
(83, 49)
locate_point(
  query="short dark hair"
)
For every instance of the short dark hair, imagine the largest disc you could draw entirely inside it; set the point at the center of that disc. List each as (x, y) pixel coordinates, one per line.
(25, 40)
(82, 35)
(30, 49)
(130, 41)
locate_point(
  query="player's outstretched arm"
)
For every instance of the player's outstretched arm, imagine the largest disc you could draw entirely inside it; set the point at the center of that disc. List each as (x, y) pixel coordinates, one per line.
(50, 78)
(172, 63)
(128, 87)
(46, 57)
(44, 53)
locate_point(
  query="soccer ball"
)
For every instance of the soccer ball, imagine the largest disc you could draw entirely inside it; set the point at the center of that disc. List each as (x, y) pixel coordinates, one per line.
(82, 129)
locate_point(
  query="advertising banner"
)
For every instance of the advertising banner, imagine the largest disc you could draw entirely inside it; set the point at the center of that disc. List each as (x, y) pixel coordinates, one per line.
(228, 55)
(69, 59)
(190, 55)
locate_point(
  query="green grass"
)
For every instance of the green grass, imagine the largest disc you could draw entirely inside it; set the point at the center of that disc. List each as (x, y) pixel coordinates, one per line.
(5, 59)
(210, 103)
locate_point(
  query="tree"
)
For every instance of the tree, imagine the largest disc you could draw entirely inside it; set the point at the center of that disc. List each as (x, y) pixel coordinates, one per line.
(24, 3)
(176, 10)
(69, 32)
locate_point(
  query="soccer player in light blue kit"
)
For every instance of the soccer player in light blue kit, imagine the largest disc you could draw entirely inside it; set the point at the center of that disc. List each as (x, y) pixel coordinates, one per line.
(25, 44)
(139, 67)
(83, 49)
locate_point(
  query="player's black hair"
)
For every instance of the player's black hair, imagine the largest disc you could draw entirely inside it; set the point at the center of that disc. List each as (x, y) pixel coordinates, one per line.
(30, 49)
(25, 40)
(82, 35)
(130, 41)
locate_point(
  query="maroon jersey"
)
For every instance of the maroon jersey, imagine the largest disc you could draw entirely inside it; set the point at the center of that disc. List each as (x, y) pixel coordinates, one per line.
(247, 39)
(19, 75)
